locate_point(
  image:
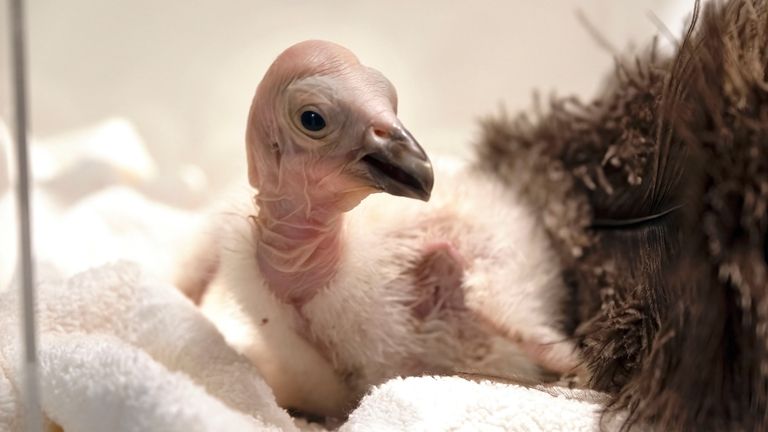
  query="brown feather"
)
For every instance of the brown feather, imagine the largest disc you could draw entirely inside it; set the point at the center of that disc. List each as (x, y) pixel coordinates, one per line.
(655, 194)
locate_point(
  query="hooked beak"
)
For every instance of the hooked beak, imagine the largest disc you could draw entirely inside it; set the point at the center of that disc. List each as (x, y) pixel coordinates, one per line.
(396, 162)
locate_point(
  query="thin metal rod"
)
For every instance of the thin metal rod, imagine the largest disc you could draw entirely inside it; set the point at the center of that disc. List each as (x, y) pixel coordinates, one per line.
(32, 414)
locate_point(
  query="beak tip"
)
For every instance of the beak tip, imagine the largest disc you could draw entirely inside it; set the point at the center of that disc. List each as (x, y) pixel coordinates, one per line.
(429, 181)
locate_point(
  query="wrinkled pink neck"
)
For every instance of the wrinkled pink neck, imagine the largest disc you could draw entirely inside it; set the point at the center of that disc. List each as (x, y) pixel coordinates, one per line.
(299, 246)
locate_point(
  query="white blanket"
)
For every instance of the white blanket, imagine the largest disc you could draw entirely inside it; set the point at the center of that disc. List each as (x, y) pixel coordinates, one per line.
(122, 350)
(119, 352)
(454, 403)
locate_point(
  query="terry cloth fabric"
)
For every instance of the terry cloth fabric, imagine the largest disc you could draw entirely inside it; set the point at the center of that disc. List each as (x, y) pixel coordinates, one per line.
(119, 352)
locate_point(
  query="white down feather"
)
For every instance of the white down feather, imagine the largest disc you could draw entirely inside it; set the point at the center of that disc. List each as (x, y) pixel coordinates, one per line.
(360, 330)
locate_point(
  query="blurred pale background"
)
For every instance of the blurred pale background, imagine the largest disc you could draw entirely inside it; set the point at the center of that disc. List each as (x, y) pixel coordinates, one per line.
(184, 72)
(179, 75)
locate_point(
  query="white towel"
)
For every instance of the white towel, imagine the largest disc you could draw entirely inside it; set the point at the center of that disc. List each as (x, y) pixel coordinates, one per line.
(458, 404)
(121, 353)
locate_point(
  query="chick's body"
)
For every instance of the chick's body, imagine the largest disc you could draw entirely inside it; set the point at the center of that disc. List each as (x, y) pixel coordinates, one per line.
(463, 283)
(330, 290)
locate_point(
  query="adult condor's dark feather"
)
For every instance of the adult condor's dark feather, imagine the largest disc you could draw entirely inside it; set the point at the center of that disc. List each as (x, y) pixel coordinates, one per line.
(656, 196)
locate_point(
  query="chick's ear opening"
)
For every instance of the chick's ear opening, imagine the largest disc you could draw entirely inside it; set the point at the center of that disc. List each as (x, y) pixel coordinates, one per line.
(253, 172)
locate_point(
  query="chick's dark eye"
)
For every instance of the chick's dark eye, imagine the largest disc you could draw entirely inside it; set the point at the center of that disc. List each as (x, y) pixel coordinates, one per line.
(312, 121)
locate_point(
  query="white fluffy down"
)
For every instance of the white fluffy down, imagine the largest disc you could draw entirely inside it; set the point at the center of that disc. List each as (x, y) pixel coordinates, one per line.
(361, 327)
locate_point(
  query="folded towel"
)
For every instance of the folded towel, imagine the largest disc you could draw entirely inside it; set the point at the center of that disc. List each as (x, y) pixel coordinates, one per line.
(453, 403)
(119, 352)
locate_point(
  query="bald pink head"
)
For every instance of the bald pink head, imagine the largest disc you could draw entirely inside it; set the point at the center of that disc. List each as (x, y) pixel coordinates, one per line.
(322, 135)
(314, 58)
(322, 121)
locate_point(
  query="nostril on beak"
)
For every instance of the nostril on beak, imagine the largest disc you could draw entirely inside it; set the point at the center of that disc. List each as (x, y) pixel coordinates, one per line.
(397, 162)
(381, 133)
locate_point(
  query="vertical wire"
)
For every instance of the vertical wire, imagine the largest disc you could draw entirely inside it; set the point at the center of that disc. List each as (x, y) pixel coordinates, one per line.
(32, 414)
